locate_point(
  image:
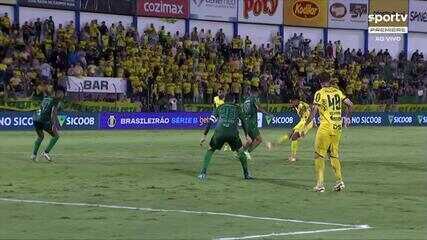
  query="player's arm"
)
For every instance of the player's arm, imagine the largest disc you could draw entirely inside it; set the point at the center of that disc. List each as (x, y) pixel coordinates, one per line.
(212, 120)
(54, 119)
(313, 114)
(244, 125)
(262, 110)
(314, 109)
(348, 110)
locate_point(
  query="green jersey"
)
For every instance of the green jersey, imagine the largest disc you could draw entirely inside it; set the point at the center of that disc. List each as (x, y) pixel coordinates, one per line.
(227, 118)
(45, 112)
(250, 108)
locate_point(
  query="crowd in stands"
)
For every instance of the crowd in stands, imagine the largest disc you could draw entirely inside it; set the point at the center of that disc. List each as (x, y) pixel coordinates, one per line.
(161, 66)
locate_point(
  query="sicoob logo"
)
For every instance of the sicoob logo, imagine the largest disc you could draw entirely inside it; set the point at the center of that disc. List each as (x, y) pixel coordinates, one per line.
(259, 7)
(338, 10)
(305, 9)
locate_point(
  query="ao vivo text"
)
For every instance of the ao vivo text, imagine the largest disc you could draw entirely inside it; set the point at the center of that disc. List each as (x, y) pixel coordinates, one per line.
(388, 38)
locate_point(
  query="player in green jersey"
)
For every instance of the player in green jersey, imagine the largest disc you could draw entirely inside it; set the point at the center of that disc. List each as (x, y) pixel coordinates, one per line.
(251, 108)
(227, 118)
(46, 119)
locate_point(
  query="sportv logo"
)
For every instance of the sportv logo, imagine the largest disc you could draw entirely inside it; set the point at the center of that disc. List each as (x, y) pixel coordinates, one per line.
(387, 17)
(161, 7)
(65, 120)
(258, 7)
(306, 9)
(393, 18)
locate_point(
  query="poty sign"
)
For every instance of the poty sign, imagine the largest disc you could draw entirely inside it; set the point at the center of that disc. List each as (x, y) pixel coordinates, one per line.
(261, 11)
(348, 14)
(223, 10)
(96, 85)
(164, 8)
(418, 16)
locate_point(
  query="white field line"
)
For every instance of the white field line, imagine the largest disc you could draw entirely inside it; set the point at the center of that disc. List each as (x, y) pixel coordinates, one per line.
(180, 211)
(293, 233)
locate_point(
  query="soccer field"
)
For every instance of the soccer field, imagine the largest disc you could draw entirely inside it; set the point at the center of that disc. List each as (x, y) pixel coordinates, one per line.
(146, 183)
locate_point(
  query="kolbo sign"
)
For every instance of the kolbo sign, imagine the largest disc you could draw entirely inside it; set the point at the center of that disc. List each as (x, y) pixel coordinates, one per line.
(164, 8)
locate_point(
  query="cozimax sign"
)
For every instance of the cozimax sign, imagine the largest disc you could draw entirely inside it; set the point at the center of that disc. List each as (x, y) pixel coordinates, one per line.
(164, 8)
(261, 11)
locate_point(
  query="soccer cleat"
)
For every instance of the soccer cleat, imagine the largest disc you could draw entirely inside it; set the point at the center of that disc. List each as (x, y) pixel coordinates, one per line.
(227, 148)
(283, 139)
(248, 155)
(339, 186)
(202, 177)
(46, 156)
(292, 159)
(319, 189)
(34, 158)
(269, 145)
(248, 176)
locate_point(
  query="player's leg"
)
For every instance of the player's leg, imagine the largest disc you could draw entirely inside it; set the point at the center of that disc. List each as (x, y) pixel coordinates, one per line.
(216, 143)
(236, 146)
(321, 147)
(54, 139)
(294, 146)
(39, 140)
(336, 163)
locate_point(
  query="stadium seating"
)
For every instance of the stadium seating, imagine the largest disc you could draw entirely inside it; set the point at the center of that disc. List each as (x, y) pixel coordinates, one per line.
(160, 65)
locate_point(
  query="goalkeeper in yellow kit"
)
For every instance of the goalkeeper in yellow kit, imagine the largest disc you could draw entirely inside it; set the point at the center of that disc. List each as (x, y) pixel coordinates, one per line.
(328, 103)
(299, 131)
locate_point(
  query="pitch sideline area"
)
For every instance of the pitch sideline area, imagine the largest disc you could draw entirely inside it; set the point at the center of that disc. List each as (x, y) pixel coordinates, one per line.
(343, 227)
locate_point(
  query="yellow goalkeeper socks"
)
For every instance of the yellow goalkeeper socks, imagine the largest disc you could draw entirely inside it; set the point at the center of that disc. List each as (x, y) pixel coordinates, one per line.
(294, 147)
(319, 164)
(336, 165)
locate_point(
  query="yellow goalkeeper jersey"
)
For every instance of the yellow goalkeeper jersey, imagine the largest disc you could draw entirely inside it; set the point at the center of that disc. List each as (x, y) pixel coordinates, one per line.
(329, 101)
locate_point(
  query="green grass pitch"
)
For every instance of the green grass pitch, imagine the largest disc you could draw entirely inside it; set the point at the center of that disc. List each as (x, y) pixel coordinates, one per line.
(385, 170)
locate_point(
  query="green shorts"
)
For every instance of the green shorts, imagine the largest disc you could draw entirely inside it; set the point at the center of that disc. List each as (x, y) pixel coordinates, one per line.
(43, 126)
(218, 141)
(253, 130)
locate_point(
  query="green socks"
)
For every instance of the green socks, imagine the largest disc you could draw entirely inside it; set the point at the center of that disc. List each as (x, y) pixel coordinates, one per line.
(37, 144)
(207, 160)
(243, 161)
(294, 148)
(52, 143)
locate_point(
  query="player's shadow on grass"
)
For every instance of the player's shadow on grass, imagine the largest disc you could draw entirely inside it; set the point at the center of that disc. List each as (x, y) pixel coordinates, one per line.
(275, 181)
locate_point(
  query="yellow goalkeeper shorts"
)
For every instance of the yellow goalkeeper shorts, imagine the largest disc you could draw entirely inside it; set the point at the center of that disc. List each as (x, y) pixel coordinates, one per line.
(327, 143)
